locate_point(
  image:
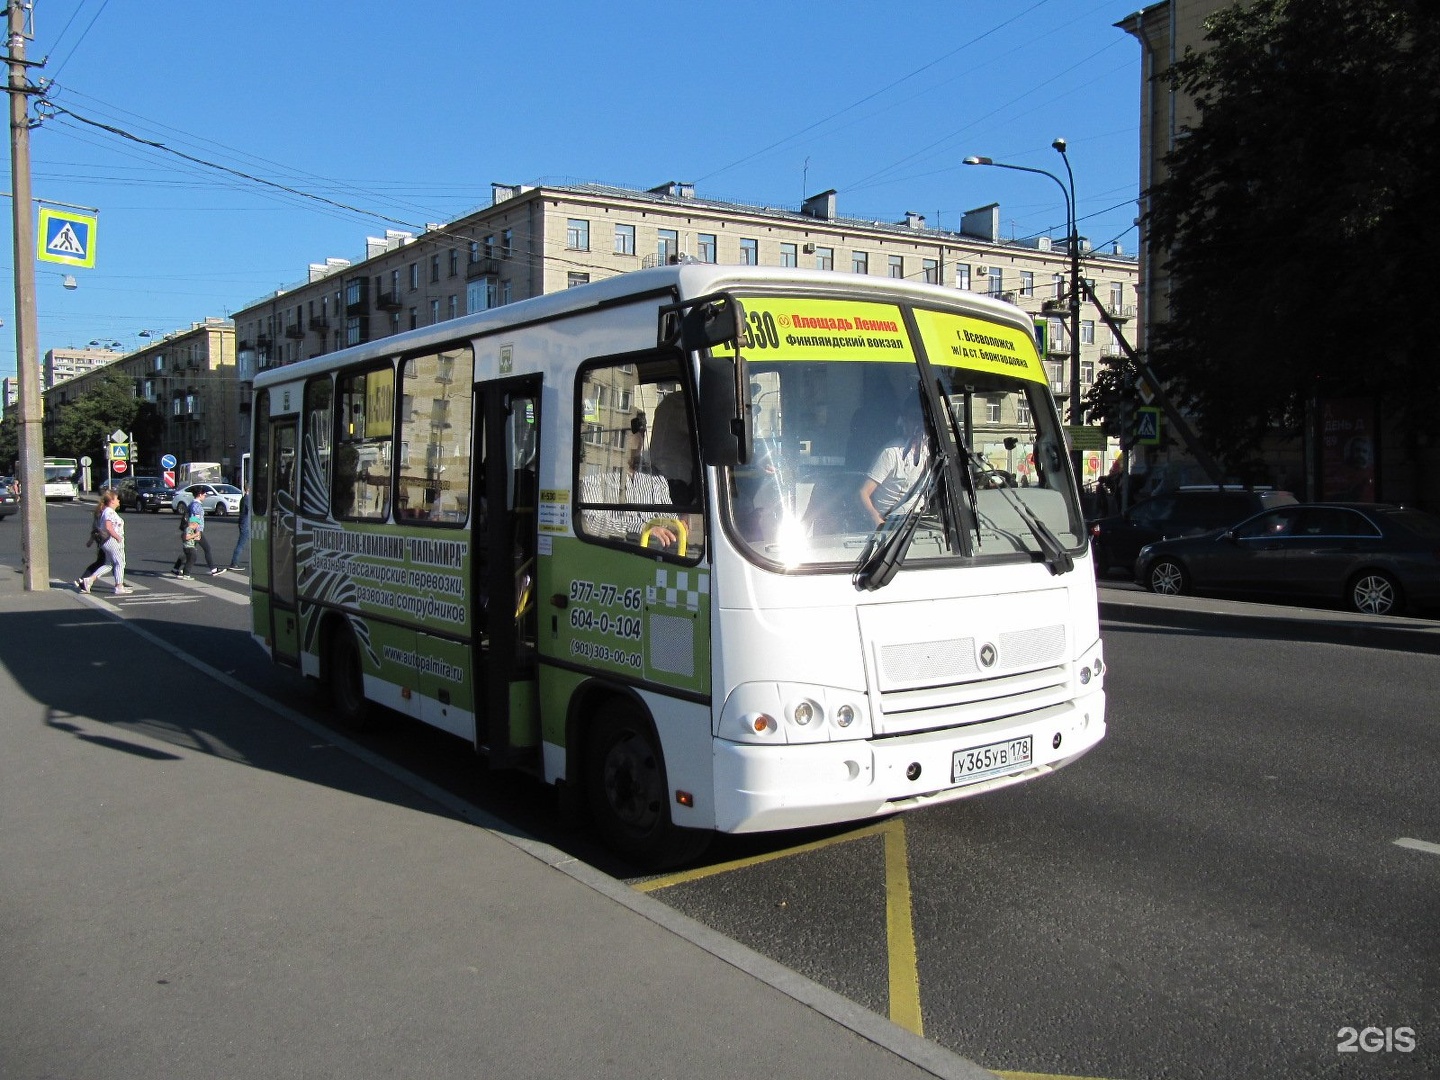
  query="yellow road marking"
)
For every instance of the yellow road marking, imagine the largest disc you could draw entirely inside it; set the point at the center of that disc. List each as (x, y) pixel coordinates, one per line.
(904, 975)
(900, 932)
(702, 872)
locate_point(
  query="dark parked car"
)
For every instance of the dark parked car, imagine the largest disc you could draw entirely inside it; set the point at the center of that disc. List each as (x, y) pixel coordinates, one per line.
(1372, 557)
(9, 497)
(147, 493)
(1115, 541)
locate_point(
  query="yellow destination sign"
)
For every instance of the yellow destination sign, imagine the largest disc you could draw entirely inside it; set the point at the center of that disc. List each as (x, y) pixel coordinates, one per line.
(809, 329)
(962, 341)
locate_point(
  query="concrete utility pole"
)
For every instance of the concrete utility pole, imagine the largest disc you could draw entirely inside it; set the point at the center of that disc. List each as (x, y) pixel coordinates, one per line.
(34, 537)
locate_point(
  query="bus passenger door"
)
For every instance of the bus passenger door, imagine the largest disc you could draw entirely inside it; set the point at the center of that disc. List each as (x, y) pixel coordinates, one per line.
(280, 521)
(507, 451)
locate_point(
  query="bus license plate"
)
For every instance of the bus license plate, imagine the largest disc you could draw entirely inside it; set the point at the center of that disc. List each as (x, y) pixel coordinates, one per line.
(980, 761)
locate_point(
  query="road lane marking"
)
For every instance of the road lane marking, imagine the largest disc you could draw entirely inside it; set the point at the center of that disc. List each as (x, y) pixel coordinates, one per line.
(900, 932)
(903, 973)
(1038, 1076)
(702, 872)
(1418, 845)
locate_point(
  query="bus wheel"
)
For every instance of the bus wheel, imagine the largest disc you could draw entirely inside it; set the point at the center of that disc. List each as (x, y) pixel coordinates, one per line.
(626, 790)
(343, 676)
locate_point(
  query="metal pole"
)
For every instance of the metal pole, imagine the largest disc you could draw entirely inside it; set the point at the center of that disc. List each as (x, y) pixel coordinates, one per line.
(1077, 412)
(34, 537)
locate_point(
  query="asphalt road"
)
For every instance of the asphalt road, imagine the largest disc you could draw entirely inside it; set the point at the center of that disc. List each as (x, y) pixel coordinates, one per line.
(1216, 891)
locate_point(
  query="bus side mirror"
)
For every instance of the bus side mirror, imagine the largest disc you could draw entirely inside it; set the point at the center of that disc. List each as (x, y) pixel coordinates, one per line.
(720, 322)
(727, 422)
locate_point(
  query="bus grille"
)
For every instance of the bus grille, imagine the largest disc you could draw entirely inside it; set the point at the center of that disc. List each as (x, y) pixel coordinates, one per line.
(944, 683)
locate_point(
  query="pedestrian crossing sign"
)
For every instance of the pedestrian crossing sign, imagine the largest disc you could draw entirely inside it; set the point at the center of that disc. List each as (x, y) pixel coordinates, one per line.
(67, 237)
(1147, 426)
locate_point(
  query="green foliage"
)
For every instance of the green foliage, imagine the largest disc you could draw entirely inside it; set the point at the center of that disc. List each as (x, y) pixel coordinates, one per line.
(1299, 217)
(9, 441)
(84, 425)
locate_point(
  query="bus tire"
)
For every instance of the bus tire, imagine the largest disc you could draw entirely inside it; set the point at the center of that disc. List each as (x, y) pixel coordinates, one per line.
(345, 682)
(627, 793)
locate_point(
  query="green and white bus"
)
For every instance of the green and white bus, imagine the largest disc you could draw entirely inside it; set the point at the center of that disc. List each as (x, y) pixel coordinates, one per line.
(633, 537)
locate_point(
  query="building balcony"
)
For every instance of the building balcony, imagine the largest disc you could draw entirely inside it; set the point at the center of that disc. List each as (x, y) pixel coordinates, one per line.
(295, 331)
(263, 341)
(320, 323)
(482, 268)
(388, 300)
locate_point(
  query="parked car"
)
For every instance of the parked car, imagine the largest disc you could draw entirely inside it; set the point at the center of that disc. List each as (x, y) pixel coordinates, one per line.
(1116, 540)
(1374, 558)
(9, 496)
(148, 493)
(219, 499)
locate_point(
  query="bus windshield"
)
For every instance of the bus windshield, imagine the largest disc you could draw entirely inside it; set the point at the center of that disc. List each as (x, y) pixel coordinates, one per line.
(844, 442)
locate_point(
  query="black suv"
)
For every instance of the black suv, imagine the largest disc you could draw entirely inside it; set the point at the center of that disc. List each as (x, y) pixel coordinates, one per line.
(147, 493)
(1115, 541)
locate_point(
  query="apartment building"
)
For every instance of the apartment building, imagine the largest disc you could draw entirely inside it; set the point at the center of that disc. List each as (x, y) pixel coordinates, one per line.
(62, 365)
(533, 240)
(186, 382)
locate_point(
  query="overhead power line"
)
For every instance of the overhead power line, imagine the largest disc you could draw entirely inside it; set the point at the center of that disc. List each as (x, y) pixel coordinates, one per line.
(49, 109)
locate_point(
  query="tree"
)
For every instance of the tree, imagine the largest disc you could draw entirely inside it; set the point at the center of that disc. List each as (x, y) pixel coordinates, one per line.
(10, 441)
(1298, 217)
(84, 425)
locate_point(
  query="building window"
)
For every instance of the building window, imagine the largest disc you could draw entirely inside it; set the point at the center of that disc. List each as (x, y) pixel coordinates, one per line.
(434, 311)
(1022, 411)
(454, 261)
(749, 252)
(452, 304)
(394, 322)
(474, 251)
(705, 248)
(667, 245)
(506, 295)
(995, 284)
(489, 245)
(1087, 372)
(414, 276)
(475, 296)
(859, 262)
(434, 268)
(574, 278)
(992, 411)
(1117, 296)
(577, 234)
(507, 243)
(414, 318)
(824, 258)
(897, 266)
(1087, 331)
(624, 239)
(1057, 286)
(352, 330)
(1027, 283)
(788, 255)
(931, 268)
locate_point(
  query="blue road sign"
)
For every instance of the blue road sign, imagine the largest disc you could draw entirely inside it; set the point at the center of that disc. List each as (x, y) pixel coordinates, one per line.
(66, 237)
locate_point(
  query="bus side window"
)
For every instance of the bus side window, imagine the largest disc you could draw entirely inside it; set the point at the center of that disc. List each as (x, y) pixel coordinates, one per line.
(637, 482)
(436, 399)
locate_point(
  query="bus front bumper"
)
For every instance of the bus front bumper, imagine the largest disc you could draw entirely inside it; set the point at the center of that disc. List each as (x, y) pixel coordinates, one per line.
(761, 788)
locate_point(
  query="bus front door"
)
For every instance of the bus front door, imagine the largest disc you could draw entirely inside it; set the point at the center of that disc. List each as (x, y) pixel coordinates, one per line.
(507, 452)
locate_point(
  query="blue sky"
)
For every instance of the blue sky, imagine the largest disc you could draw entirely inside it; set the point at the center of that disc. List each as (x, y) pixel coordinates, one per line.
(407, 112)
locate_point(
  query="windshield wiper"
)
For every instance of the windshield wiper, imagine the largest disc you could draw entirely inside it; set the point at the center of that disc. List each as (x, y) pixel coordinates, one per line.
(891, 539)
(1057, 559)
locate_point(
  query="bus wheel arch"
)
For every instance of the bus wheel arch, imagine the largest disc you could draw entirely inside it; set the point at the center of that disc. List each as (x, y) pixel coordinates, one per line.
(342, 675)
(623, 780)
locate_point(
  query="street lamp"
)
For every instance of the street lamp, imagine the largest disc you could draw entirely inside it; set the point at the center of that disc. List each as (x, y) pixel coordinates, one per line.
(1073, 241)
(98, 344)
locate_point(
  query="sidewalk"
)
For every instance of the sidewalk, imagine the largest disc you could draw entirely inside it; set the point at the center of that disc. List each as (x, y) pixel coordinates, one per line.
(1121, 603)
(192, 884)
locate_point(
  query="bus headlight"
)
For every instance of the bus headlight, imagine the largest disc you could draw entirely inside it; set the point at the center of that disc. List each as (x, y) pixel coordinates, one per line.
(793, 713)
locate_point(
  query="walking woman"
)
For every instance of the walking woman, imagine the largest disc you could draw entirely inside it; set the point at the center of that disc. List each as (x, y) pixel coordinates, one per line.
(110, 531)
